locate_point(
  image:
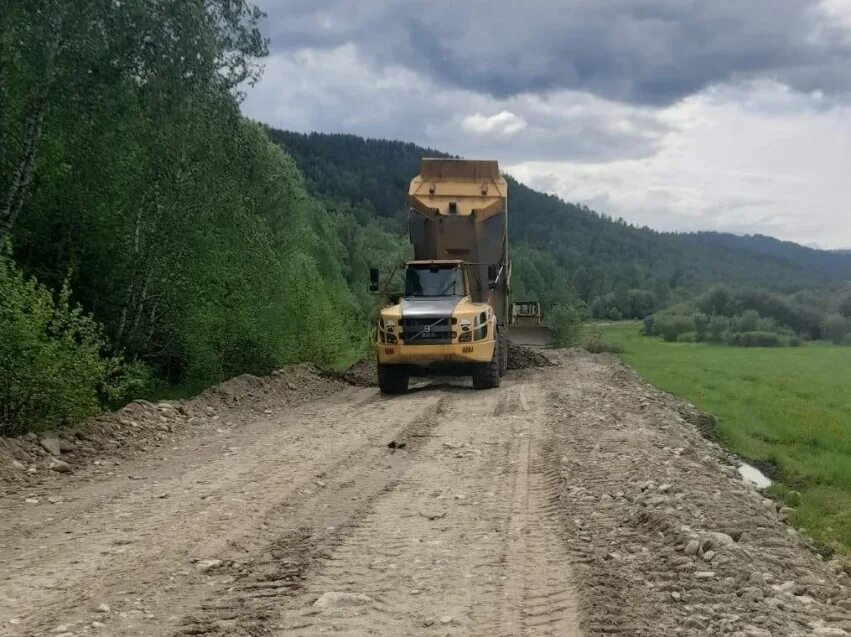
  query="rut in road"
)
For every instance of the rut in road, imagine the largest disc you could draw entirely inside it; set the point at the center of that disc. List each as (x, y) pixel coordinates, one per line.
(463, 542)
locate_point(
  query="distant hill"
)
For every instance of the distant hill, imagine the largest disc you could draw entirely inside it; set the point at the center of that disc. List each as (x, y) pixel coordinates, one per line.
(560, 247)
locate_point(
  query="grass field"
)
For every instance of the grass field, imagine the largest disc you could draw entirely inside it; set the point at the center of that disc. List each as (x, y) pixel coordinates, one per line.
(788, 406)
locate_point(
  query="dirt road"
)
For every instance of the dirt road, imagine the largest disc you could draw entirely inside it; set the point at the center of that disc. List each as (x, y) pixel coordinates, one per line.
(573, 500)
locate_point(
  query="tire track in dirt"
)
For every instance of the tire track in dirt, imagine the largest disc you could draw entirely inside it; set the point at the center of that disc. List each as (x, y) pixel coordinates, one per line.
(123, 543)
(465, 544)
(302, 533)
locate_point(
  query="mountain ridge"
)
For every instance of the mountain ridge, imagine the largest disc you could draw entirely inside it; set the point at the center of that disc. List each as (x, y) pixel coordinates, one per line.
(555, 242)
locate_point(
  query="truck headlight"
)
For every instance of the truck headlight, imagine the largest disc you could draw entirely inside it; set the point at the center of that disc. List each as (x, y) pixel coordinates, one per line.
(391, 338)
(465, 337)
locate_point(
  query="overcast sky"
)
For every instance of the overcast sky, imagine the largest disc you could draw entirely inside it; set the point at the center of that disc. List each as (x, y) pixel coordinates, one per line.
(730, 115)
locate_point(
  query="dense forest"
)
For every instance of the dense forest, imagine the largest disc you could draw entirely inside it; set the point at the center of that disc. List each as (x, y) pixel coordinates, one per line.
(152, 236)
(152, 239)
(563, 251)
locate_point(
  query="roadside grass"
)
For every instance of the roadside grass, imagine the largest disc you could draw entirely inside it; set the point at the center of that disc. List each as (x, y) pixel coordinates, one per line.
(787, 407)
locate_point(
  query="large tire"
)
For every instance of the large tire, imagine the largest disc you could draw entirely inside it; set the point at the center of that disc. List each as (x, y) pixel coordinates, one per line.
(486, 375)
(393, 379)
(503, 350)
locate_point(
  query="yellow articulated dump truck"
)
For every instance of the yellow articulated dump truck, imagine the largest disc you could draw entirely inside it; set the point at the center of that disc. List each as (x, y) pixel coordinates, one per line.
(453, 314)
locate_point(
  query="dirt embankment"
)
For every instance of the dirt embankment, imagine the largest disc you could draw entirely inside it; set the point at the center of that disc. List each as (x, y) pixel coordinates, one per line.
(573, 500)
(143, 427)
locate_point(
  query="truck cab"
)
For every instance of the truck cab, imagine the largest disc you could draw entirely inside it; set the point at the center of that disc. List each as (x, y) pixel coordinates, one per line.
(437, 326)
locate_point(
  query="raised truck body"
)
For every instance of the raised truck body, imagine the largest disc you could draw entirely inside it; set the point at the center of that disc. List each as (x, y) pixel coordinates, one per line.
(454, 311)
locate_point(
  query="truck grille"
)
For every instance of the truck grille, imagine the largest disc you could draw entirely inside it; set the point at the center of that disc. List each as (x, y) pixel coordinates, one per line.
(427, 330)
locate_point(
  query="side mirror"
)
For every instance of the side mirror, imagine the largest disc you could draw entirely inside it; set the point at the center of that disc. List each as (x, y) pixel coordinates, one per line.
(373, 279)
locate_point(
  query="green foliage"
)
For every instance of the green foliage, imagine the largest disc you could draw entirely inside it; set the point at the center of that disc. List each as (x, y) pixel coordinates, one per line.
(836, 327)
(594, 343)
(701, 325)
(54, 365)
(755, 339)
(670, 326)
(566, 324)
(788, 405)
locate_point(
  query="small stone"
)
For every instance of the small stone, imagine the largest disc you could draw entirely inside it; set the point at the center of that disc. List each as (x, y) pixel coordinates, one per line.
(31, 500)
(18, 465)
(339, 599)
(54, 500)
(676, 596)
(708, 556)
(60, 466)
(664, 488)
(51, 445)
(433, 515)
(692, 547)
(446, 619)
(103, 608)
(208, 565)
(695, 622)
(704, 574)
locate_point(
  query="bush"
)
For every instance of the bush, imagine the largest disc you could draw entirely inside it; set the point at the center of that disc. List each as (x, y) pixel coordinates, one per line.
(596, 345)
(755, 339)
(701, 325)
(836, 327)
(615, 314)
(670, 326)
(747, 322)
(53, 367)
(647, 327)
(718, 327)
(566, 322)
(687, 337)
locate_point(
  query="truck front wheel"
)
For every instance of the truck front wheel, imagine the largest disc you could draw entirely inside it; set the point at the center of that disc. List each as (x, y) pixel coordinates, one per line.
(486, 375)
(393, 379)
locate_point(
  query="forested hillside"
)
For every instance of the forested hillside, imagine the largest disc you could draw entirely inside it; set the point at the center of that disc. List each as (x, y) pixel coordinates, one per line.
(561, 249)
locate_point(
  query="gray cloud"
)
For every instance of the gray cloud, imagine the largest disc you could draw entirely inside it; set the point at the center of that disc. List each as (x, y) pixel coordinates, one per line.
(341, 90)
(651, 52)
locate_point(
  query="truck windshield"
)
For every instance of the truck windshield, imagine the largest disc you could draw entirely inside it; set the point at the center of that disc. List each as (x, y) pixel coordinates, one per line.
(434, 282)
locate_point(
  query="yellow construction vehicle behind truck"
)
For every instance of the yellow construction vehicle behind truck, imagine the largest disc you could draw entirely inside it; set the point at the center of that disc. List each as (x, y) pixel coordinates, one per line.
(454, 311)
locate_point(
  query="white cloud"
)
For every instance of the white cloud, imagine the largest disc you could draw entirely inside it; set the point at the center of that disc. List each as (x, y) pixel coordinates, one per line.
(503, 123)
(757, 158)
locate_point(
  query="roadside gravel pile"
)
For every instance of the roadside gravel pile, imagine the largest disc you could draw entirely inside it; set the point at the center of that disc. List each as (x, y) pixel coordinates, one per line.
(141, 426)
(666, 539)
(520, 357)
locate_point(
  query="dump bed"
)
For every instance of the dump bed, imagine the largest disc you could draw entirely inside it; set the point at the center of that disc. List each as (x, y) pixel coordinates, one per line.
(459, 210)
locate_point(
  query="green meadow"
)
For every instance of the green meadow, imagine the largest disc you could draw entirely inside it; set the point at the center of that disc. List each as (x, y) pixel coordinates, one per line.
(790, 407)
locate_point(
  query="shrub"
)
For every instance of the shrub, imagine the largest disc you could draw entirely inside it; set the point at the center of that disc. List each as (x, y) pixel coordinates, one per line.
(718, 327)
(795, 341)
(836, 327)
(747, 322)
(670, 326)
(596, 345)
(687, 337)
(701, 324)
(53, 366)
(566, 323)
(755, 339)
(647, 327)
(615, 314)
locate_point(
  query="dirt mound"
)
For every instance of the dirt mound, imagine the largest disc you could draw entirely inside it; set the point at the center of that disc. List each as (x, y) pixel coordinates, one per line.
(520, 357)
(137, 427)
(364, 373)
